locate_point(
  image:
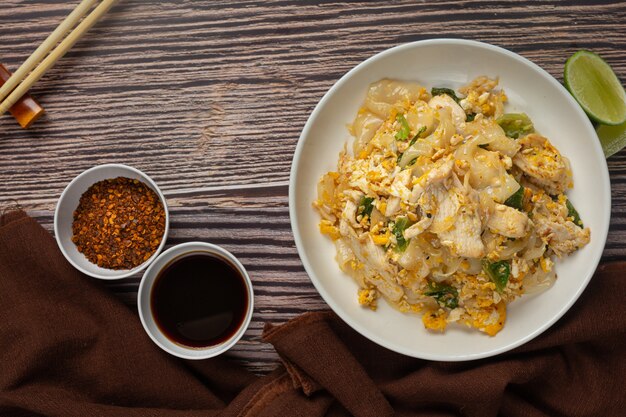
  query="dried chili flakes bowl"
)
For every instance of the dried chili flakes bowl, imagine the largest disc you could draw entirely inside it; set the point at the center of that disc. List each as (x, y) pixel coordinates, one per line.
(111, 221)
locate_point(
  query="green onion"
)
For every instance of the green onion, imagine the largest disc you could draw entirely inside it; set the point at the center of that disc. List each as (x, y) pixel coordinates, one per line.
(446, 295)
(437, 91)
(417, 135)
(398, 231)
(515, 125)
(365, 206)
(405, 130)
(498, 272)
(415, 138)
(471, 117)
(516, 200)
(571, 212)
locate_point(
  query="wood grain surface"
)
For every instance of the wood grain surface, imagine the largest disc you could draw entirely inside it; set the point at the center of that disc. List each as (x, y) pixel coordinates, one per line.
(209, 98)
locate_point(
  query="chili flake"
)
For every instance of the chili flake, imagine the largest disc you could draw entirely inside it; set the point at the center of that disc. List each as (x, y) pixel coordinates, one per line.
(119, 223)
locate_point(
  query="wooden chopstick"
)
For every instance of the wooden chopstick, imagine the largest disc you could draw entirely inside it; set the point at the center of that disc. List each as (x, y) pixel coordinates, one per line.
(66, 25)
(58, 52)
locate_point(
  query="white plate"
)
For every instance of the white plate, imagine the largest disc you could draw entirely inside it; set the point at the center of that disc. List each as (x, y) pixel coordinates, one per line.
(450, 63)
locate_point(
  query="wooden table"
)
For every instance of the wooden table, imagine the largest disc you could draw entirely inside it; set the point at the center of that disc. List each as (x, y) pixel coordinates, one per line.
(209, 97)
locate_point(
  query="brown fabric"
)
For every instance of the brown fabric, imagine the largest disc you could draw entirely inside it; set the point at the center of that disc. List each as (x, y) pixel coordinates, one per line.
(70, 348)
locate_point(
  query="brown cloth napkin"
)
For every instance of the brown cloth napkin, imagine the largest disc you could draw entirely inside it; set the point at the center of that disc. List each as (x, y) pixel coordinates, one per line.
(70, 348)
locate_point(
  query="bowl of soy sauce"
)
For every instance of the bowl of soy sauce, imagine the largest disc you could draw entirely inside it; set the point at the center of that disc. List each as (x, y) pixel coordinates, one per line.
(195, 300)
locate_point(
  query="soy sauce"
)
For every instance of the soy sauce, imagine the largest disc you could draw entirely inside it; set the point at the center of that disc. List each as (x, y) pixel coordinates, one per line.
(199, 300)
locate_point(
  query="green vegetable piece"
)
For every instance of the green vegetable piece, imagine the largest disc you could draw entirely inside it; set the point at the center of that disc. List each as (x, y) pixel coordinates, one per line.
(498, 272)
(411, 162)
(571, 212)
(471, 117)
(417, 135)
(365, 206)
(415, 138)
(398, 231)
(436, 91)
(516, 200)
(405, 130)
(515, 125)
(446, 295)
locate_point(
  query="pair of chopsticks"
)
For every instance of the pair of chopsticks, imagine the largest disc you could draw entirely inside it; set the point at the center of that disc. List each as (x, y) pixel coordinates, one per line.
(51, 50)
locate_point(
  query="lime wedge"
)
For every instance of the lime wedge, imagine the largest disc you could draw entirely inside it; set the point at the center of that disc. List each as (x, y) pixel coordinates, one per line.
(612, 138)
(595, 86)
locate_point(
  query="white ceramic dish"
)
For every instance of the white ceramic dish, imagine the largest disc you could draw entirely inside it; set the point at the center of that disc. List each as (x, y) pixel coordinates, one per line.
(451, 63)
(145, 311)
(64, 213)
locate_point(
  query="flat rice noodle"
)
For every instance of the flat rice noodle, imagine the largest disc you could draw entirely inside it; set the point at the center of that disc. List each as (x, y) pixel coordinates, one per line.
(365, 125)
(511, 247)
(487, 173)
(420, 116)
(488, 131)
(421, 147)
(384, 94)
(446, 270)
(326, 189)
(538, 281)
(446, 128)
(413, 259)
(344, 252)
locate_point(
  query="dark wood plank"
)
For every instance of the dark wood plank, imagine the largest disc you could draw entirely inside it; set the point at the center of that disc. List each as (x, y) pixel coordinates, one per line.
(209, 97)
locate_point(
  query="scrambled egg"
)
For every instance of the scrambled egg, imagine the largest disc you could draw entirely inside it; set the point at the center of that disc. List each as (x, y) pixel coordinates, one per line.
(447, 206)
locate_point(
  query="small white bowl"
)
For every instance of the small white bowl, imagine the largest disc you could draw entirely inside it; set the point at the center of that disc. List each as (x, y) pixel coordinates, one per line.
(145, 309)
(64, 217)
(450, 63)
